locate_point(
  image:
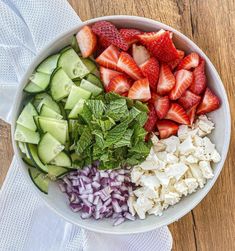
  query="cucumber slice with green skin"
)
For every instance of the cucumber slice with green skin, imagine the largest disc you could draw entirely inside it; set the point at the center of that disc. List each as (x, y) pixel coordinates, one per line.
(90, 65)
(64, 49)
(28, 161)
(48, 65)
(86, 85)
(55, 172)
(94, 80)
(23, 134)
(60, 85)
(39, 179)
(48, 112)
(62, 159)
(33, 153)
(63, 113)
(32, 88)
(22, 147)
(48, 148)
(42, 80)
(72, 64)
(74, 44)
(26, 117)
(76, 109)
(75, 95)
(49, 102)
(57, 128)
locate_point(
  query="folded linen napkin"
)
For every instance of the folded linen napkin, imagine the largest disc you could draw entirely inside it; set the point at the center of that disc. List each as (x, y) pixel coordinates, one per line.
(25, 221)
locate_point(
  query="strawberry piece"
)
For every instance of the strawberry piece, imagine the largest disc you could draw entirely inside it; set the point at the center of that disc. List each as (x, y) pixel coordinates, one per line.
(140, 90)
(166, 128)
(140, 54)
(189, 99)
(152, 119)
(177, 114)
(174, 63)
(159, 44)
(127, 64)
(108, 31)
(192, 113)
(162, 106)
(150, 70)
(107, 75)
(103, 42)
(129, 35)
(183, 79)
(166, 80)
(199, 83)
(119, 84)
(125, 94)
(190, 61)
(87, 41)
(109, 57)
(210, 102)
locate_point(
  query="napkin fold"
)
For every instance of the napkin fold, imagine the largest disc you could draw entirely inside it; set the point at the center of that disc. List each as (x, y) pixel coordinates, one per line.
(26, 223)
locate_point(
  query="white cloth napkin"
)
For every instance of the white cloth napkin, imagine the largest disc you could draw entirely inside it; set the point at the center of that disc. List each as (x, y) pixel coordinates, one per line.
(26, 224)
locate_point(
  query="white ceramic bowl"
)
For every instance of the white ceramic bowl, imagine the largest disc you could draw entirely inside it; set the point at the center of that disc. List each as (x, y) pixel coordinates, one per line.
(57, 201)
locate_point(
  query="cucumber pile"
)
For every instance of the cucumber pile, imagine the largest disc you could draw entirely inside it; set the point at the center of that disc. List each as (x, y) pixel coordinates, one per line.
(57, 91)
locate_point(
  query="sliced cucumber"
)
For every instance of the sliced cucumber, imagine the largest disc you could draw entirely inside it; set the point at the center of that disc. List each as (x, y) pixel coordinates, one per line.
(77, 81)
(22, 147)
(49, 102)
(28, 161)
(76, 109)
(86, 85)
(33, 153)
(90, 65)
(26, 117)
(39, 179)
(94, 80)
(23, 134)
(75, 95)
(55, 172)
(74, 44)
(42, 80)
(60, 84)
(32, 88)
(48, 112)
(48, 148)
(72, 64)
(62, 159)
(49, 64)
(63, 113)
(57, 128)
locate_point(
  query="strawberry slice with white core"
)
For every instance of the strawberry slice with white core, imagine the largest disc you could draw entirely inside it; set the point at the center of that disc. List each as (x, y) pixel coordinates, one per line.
(119, 84)
(162, 106)
(152, 119)
(183, 79)
(87, 41)
(189, 62)
(177, 114)
(107, 75)
(166, 80)
(189, 99)
(128, 65)
(129, 35)
(140, 90)
(140, 54)
(166, 128)
(174, 63)
(109, 57)
(192, 113)
(210, 102)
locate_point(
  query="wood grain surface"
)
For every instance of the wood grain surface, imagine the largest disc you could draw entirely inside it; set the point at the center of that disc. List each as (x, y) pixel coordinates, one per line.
(211, 25)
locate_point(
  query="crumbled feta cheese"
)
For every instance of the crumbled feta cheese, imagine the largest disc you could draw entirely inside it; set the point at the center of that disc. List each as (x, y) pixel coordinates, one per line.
(171, 198)
(205, 125)
(190, 159)
(157, 144)
(162, 177)
(181, 187)
(197, 140)
(139, 210)
(171, 158)
(215, 157)
(176, 170)
(205, 167)
(197, 174)
(192, 184)
(130, 203)
(183, 132)
(136, 174)
(187, 147)
(142, 205)
(156, 209)
(150, 181)
(152, 162)
(171, 143)
(147, 192)
(209, 148)
(161, 155)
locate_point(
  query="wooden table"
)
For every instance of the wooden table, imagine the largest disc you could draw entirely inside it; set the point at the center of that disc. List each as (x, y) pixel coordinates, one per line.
(211, 24)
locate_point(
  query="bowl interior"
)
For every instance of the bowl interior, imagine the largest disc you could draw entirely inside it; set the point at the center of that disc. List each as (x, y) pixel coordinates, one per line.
(221, 136)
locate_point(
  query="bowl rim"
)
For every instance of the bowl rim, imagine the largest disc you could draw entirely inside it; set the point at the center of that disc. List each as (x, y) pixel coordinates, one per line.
(188, 41)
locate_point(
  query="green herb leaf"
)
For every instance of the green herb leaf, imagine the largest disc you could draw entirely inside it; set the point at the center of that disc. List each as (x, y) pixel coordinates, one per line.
(117, 109)
(97, 107)
(84, 141)
(125, 140)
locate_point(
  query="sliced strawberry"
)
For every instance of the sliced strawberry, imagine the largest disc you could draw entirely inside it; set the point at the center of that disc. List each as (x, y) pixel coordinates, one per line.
(159, 44)
(177, 114)
(140, 90)
(192, 113)
(108, 31)
(166, 128)
(127, 64)
(190, 61)
(210, 102)
(140, 54)
(109, 57)
(150, 70)
(152, 119)
(162, 106)
(119, 84)
(103, 42)
(189, 99)
(125, 94)
(129, 35)
(166, 80)
(87, 41)
(174, 63)
(199, 83)
(106, 75)
(183, 79)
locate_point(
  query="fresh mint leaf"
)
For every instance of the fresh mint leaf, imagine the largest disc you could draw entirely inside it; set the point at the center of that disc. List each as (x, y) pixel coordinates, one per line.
(141, 106)
(138, 134)
(141, 147)
(117, 109)
(84, 141)
(99, 138)
(97, 107)
(141, 118)
(86, 114)
(104, 124)
(125, 140)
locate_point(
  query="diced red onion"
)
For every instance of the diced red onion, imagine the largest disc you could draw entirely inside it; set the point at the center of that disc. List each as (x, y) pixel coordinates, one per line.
(129, 216)
(119, 221)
